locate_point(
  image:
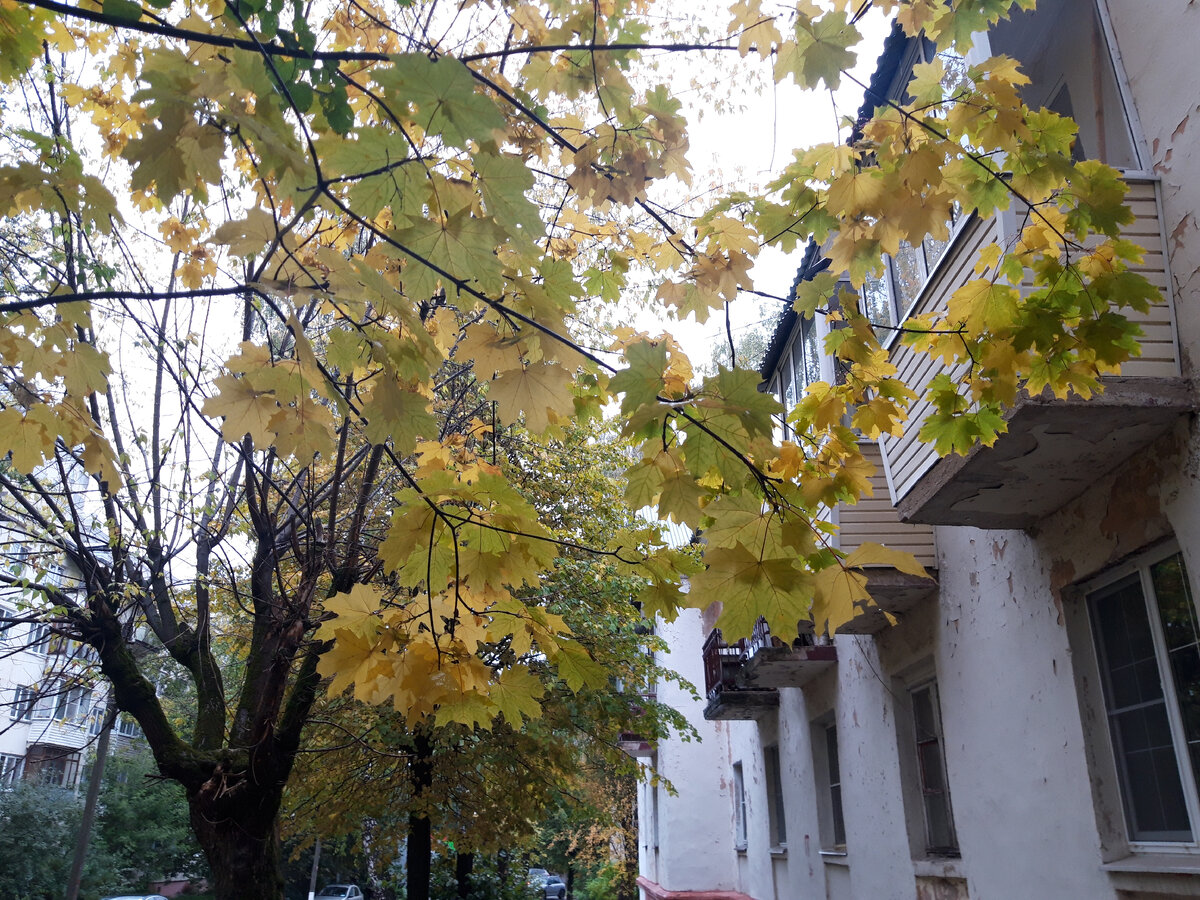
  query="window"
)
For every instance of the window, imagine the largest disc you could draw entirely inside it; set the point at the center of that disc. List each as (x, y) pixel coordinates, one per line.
(837, 822)
(739, 807)
(940, 837)
(24, 700)
(1147, 639)
(829, 788)
(11, 768)
(73, 705)
(775, 816)
(127, 725)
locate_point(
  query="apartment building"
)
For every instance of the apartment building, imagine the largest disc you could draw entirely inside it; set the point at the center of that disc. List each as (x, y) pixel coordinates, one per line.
(1030, 726)
(51, 708)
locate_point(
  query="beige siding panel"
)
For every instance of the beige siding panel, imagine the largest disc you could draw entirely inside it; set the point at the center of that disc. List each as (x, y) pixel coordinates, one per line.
(874, 519)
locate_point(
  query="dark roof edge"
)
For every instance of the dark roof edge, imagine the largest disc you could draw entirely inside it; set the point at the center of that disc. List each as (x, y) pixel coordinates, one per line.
(885, 72)
(812, 263)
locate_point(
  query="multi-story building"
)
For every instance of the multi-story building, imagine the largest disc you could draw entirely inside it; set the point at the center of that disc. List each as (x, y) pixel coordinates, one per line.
(1030, 726)
(51, 709)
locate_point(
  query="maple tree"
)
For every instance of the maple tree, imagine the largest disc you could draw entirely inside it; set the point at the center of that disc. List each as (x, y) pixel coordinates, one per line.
(306, 264)
(482, 791)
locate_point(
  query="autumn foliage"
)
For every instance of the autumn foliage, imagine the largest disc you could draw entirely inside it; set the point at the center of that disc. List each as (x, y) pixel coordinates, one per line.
(308, 267)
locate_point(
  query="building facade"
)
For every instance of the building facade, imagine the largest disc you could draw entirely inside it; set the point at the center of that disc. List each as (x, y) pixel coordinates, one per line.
(51, 708)
(1030, 726)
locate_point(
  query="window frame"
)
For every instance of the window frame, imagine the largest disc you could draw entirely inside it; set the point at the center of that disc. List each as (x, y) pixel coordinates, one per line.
(1116, 799)
(938, 742)
(828, 781)
(776, 808)
(12, 768)
(740, 837)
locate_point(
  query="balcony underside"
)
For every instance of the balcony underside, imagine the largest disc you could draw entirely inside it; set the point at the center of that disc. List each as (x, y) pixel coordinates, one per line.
(776, 667)
(741, 705)
(894, 592)
(635, 745)
(1054, 450)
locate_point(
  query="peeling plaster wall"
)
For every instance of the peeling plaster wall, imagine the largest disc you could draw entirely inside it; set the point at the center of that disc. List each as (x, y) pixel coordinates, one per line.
(695, 849)
(1010, 717)
(876, 836)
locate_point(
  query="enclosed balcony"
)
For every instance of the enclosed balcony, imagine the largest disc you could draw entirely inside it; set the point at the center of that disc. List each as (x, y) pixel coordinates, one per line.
(1054, 449)
(873, 519)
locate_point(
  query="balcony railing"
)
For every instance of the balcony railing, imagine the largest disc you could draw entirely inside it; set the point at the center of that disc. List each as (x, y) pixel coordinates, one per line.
(741, 678)
(1054, 449)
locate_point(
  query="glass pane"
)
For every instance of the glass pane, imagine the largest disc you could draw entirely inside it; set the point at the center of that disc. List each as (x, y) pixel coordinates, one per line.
(908, 275)
(831, 750)
(1156, 796)
(1142, 741)
(839, 822)
(877, 304)
(934, 249)
(923, 716)
(1175, 602)
(789, 387)
(937, 819)
(811, 356)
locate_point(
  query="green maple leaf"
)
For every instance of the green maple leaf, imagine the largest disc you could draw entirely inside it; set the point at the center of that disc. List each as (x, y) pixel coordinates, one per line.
(643, 480)
(736, 393)
(739, 519)
(749, 587)
(172, 154)
(461, 245)
(503, 181)
(515, 695)
(577, 668)
(642, 380)
(680, 497)
(443, 90)
(820, 51)
(399, 414)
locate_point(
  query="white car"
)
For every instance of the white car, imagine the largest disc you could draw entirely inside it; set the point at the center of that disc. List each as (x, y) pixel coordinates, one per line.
(339, 892)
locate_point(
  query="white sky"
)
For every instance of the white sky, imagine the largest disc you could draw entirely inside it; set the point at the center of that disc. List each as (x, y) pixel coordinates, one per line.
(743, 149)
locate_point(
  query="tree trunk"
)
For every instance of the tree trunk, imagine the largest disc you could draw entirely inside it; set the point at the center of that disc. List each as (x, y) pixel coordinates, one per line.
(420, 829)
(463, 864)
(243, 852)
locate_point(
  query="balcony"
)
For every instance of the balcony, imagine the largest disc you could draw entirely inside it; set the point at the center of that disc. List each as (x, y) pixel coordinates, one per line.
(58, 733)
(773, 663)
(873, 519)
(741, 679)
(631, 742)
(1054, 449)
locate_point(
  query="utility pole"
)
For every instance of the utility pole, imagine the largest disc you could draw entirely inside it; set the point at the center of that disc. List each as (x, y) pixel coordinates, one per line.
(312, 879)
(89, 804)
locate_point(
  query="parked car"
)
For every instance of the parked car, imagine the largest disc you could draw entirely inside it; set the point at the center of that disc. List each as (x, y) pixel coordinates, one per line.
(545, 886)
(339, 892)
